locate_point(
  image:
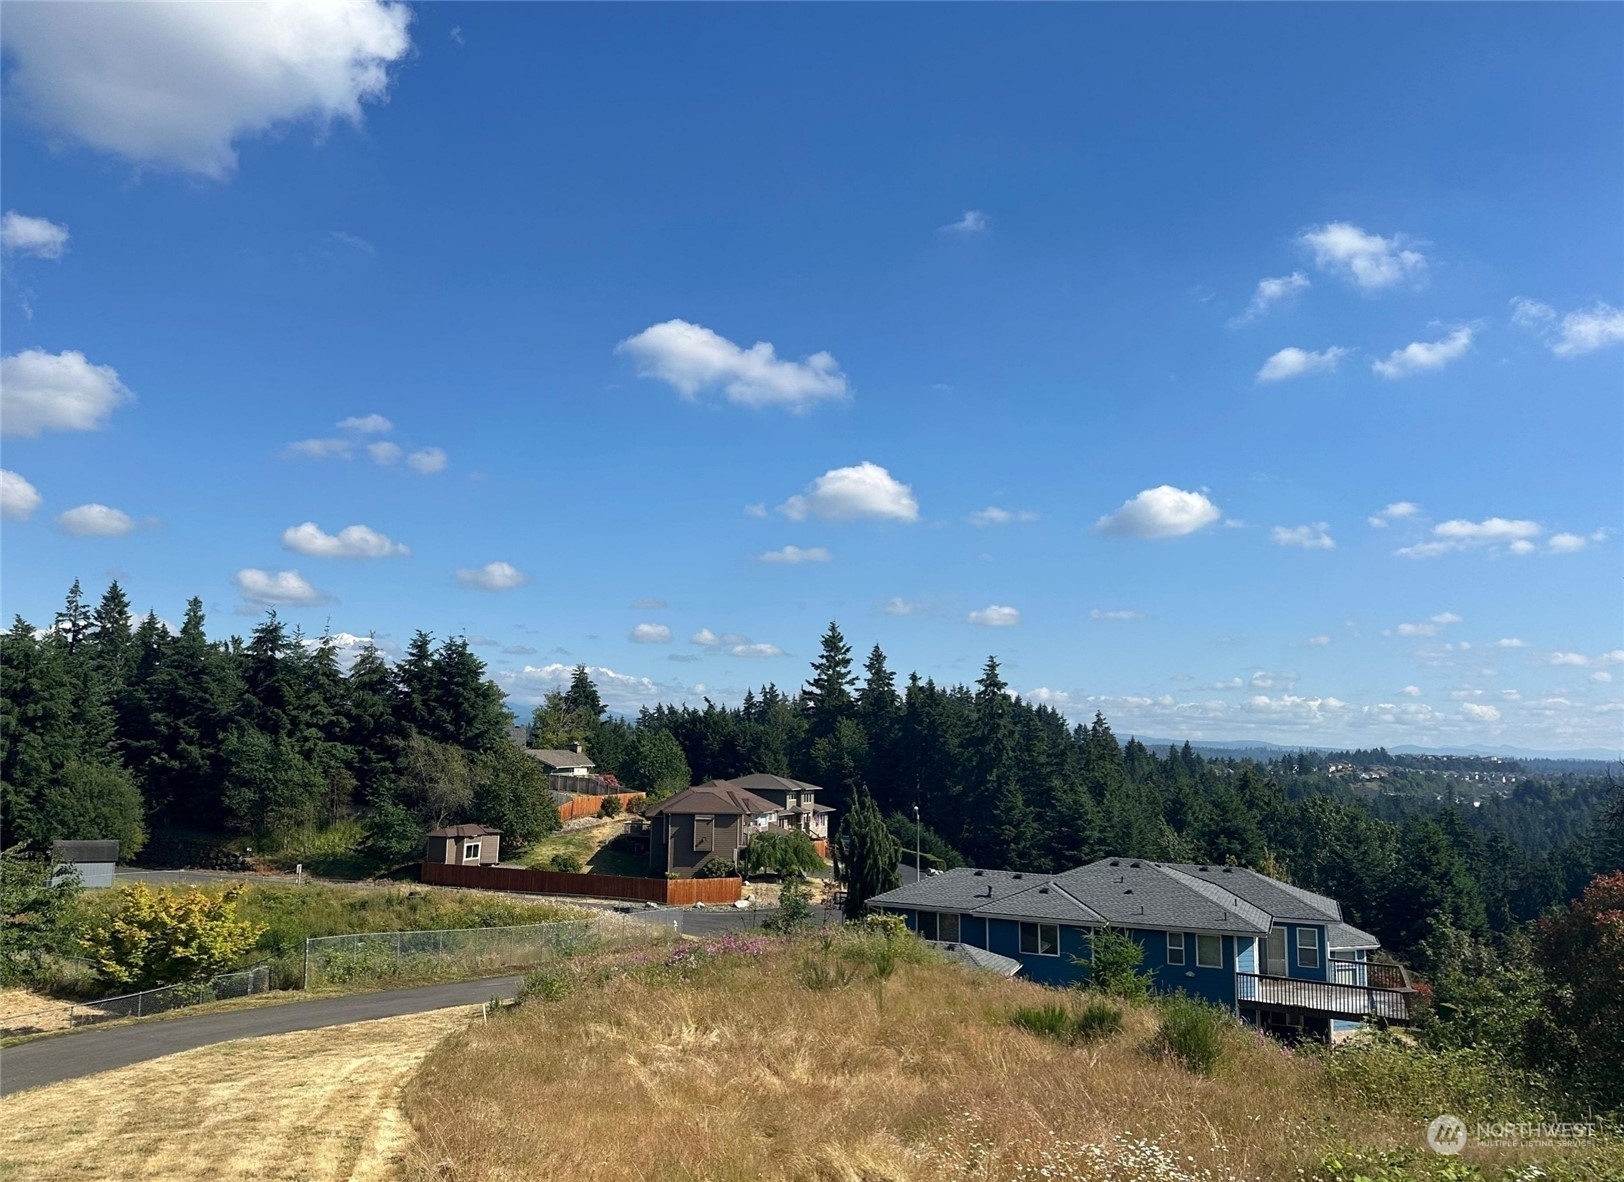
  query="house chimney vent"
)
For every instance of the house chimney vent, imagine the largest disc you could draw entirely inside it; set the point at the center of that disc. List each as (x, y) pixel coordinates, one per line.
(1114, 862)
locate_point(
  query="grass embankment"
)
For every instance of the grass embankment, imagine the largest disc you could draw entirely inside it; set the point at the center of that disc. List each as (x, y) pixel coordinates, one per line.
(589, 846)
(316, 1105)
(798, 1060)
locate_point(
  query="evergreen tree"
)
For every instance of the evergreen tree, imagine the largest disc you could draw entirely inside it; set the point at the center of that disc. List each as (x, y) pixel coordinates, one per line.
(827, 696)
(866, 855)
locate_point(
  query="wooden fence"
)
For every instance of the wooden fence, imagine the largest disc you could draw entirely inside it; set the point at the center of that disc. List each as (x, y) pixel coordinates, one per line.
(675, 892)
(588, 806)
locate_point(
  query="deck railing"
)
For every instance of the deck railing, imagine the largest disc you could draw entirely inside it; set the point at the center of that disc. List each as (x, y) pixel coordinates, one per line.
(1338, 1000)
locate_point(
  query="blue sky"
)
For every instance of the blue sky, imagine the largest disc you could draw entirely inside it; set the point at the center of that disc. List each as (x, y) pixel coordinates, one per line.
(1187, 296)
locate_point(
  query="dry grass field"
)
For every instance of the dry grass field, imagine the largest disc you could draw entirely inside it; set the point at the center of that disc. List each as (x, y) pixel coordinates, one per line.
(314, 1106)
(732, 1069)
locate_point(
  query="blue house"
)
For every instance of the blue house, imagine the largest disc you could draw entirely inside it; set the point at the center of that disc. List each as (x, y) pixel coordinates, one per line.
(1280, 957)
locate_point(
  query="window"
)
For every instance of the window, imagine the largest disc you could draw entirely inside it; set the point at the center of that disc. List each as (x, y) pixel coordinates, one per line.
(1209, 952)
(1274, 953)
(1175, 947)
(949, 928)
(1308, 948)
(704, 834)
(470, 852)
(1040, 939)
(927, 925)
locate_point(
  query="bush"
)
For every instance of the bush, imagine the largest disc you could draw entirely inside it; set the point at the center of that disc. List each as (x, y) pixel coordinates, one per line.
(1193, 1033)
(1096, 1019)
(36, 918)
(159, 938)
(783, 854)
(888, 926)
(548, 984)
(718, 868)
(794, 910)
(610, 808)
(1113, 965)
(1050, 1020)
(565, 863)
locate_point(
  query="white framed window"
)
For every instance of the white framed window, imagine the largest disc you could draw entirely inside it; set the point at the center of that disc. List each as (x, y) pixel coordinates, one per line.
(1209, 952)
(1175, 947)
(1308, 956)
(470, 852)
(1040, 939)
(949, 928)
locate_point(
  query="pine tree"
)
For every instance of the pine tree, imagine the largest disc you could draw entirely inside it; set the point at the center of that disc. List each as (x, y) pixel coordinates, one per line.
(866, 855)
(73, 622)
(827, 696)
(879, 714)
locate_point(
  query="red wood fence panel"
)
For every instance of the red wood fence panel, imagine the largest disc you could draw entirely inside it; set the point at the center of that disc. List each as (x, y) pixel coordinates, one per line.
(588, 806)
(674, 891)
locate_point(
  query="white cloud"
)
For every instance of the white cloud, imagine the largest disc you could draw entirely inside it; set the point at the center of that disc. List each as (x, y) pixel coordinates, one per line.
(18, 498)
(755, 650)
(177, 84)
(426, 461)
(353, 541)
(42, 391)
(277, 588)
(795, 555)
(383, 452)
(1602, 676)
(757, 510)
(1577, 333)
(1319, 641)
(95, 521)
(1460, 534)
(1365, 260)
(1413, 691)
(1424, 356)
(1446, 618)
(38, 238)
(996, 616)
(973, 221)
(1269, 293)
(846, 494)
(1429, 628)
(733, 645)
(1566, 543)
(373, 424)
(993, 515)
(651, 634)
(1099, 614)
(622, 692)
(1479, 713)
(692, 358)
(1292, 362)
(1309, 537)
(1616, 657)
(319, 449)
(1510, 642)
(1397, 511)
(1160, 512)
(493, 576)
(898, 606)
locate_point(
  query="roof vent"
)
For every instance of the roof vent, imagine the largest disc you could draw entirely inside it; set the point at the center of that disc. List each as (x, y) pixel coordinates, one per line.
(978, 873)
(1017, 874)
(1043, 890)
(1227, 869)
(1114, 862)
(1203, 869)
(1129, 891)
(1133, 865)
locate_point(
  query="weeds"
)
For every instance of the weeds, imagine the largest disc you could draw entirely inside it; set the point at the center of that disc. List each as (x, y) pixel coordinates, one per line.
(1193, 1033)
(1094, 1020)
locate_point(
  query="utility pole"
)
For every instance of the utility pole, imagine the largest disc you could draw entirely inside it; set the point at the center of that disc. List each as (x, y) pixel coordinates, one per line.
(919, 871)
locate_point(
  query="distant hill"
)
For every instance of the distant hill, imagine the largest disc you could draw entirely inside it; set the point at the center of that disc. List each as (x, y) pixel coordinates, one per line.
(1257, 749)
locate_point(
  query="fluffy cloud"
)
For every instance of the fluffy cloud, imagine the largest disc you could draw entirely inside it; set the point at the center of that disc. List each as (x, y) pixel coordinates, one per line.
(1616, 657)
(383, 452)
(1397, 511)
(319, 449)
(373, 424)
(992, 515)
(18, 498)
(1271, 292)
(1292, 362)
(38, 238)
(176, 84)
(493, 576)
(1566, 543)
(1510, 642)
(1160, 512)
(1413, 691)
(1428, 628)
(623, 693)
(1424, 356)
(1479, 713)
(42, 391)
(898, 606)
(1366, 260)
(692, 358)
(1460, 534)
(280, 588)
(996, 616)
(1098, 614)
(847, 494)
(1309, 537)
(733, 645)
(95, 521)
(426, 461)
(1576, 333)
(795, 555)
(651, 634)
(973, 221)
(353, 541)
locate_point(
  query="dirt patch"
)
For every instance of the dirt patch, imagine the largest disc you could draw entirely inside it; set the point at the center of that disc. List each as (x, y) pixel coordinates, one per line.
(314, 1105)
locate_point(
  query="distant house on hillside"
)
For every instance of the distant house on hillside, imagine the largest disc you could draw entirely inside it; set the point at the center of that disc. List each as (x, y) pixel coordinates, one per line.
(708, 822)
(572, 761)
(1279, 956)
(464, 845)
(796, 801)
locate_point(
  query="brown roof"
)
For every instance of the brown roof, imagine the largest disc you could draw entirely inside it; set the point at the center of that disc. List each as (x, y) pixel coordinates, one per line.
(554, 758)
(718, 796)
(466, 831)
(756, 781)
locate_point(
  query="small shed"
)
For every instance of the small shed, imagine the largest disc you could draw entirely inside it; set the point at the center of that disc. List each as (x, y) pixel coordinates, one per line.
(465, 845)
(94, 860)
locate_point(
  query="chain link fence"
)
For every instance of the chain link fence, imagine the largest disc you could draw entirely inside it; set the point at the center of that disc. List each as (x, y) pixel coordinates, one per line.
(139, 1005)
(342, 960)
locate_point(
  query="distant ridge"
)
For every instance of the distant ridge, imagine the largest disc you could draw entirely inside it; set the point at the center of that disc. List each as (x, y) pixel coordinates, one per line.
(1239, 748)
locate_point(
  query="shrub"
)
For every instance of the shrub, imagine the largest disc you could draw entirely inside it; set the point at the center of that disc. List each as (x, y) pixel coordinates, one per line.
(1193, 1033)
(718, 868)
(783, 854)
(158, 938)
(565, 863)
(548, 984)
(1050, 1020)
(610, 808)
(822, 973)
(794, 910)
(36, 918)
(885, 925)
(1113, 965)
(1097, 1019)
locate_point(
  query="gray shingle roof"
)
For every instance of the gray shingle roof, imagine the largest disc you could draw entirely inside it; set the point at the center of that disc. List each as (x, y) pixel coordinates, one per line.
(962, 889)
(1131, 892)
(465, 831)
(1044, 900)
(1345, 935)
(555, 758)
(980, 958)
(1279, 899)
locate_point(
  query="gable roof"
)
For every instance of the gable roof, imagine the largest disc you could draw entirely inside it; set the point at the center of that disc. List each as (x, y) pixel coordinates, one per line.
(717, 796)
(1043, 900)
(465, 831)
(756, 781)
(1279, 899)
(1345, 935)
(553, 758)
(85, 851)
(1134, 893)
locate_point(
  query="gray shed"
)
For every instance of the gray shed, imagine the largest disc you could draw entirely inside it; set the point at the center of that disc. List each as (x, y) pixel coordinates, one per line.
(94, 860)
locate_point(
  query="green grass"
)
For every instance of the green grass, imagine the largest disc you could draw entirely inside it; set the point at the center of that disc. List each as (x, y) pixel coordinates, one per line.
(1193, 1033)
(589, 845)
(333, 851)
(1094, 1019)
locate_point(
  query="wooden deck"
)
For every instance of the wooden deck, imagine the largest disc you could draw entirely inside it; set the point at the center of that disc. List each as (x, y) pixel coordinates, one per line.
(1353, 1002)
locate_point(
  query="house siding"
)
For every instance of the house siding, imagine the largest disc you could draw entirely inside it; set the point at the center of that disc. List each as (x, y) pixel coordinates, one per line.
(672, 849)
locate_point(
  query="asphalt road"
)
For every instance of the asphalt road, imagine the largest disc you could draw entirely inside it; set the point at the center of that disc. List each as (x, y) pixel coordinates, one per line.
(69, 1056)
